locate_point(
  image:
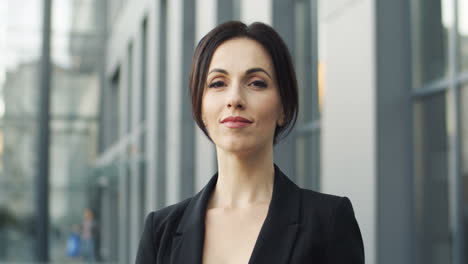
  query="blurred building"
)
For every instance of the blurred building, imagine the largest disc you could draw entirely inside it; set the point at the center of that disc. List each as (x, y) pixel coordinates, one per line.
(77, 56)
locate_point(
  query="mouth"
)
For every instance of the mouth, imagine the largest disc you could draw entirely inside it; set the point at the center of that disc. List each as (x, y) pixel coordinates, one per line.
(236, 122)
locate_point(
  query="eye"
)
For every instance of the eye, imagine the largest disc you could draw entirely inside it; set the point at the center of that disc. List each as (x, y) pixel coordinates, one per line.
(260, 84)
(216, 84)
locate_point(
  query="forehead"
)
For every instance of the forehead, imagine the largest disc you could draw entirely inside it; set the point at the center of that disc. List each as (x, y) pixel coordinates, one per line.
(240, 54)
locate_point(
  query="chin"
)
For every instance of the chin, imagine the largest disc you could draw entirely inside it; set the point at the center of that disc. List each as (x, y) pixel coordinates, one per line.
(239, 145)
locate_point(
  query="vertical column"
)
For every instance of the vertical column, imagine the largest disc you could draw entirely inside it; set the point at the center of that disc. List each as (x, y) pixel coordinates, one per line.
(43, 140)
(135, 135)
(395, 232)
(455, 141)
(187, 150)
(174, 96)
(282, 22)
(315, 115)
(259, 10)
(151, 107)
(349, 113)
(142, 117)
(204, 148)
(122, 165)
(162, 104)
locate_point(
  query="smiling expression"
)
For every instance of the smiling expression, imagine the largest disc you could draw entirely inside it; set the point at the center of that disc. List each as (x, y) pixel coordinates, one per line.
(241, 106)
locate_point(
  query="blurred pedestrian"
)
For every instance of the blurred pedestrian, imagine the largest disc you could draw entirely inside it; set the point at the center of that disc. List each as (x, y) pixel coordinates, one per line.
(74, 243)
(87, 249)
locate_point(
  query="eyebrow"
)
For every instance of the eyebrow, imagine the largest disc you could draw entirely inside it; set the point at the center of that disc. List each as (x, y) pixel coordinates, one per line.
(247, 72)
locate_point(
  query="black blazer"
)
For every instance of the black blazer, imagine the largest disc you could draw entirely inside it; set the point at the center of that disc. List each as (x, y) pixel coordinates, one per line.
(301, 226)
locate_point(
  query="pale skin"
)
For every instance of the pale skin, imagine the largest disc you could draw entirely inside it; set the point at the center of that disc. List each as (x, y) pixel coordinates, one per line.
(241, 82)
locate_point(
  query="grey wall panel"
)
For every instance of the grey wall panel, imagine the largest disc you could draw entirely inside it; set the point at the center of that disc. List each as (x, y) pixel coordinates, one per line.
(187, 151)
(394, 134)
(283, 12)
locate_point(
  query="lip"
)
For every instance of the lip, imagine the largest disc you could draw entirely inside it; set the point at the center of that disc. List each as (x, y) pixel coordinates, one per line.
(236, 119)
(236, 122)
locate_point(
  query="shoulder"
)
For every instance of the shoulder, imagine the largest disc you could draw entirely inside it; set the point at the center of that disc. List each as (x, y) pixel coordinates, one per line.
(335, 216)
(324, 206)
(159, 228)
(322, 201)
(167, 216)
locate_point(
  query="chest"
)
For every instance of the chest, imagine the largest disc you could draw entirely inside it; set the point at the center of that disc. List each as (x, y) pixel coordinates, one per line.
(230, 236)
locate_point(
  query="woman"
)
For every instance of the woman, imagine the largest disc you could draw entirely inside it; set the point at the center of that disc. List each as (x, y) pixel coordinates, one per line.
(244, 97)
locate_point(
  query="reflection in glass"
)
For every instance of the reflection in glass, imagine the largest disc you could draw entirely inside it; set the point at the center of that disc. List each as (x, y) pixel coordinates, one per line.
(463, 33)
(431, 181)
(20, 47)
(464, 164)
(76, 50)
(432, 23)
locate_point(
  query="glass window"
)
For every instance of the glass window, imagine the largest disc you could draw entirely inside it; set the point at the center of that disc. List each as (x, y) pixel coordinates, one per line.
(306, 61)
(127, 206)
(463, 33)
(431, 180)
(20, 49)
(308, 161)
(114, 109)
(432, 22)
(302, 57)
(307, 129)
(108, 202)
(142, 148)
(464, 165)
(110, 112)
(129, 87)
(144, 55)
(77, 44)
(161, 107)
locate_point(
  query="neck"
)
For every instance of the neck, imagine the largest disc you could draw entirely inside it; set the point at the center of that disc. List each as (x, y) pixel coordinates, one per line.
(243, 180)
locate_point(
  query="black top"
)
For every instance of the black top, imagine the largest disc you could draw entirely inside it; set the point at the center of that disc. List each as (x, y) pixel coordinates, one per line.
(301, 226)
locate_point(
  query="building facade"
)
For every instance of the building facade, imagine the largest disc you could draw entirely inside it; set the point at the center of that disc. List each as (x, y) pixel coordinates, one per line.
(381, 120)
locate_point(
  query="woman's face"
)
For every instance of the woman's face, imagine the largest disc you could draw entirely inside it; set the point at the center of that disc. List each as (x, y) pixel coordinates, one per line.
(241, 85)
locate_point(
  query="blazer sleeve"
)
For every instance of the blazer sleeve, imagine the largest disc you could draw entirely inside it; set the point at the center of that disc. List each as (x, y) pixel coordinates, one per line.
(147, 250)
(345, 242)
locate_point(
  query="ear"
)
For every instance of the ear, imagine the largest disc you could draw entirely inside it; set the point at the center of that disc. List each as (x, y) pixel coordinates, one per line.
(203, 120)
(280, 121)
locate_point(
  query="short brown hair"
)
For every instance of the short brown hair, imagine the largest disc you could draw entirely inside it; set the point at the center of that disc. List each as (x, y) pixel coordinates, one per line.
(280, 56)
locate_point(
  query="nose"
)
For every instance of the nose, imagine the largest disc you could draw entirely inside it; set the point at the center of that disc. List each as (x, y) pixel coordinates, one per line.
(235, 98)
(236, 105)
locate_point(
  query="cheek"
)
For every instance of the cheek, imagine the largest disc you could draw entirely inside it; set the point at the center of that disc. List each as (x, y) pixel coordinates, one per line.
(208, 108)
(270, 119)
(270, 109)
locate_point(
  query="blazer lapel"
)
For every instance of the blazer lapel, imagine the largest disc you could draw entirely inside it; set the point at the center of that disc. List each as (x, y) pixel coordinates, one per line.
(187, 243)
(278, 233)
(275, 240)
